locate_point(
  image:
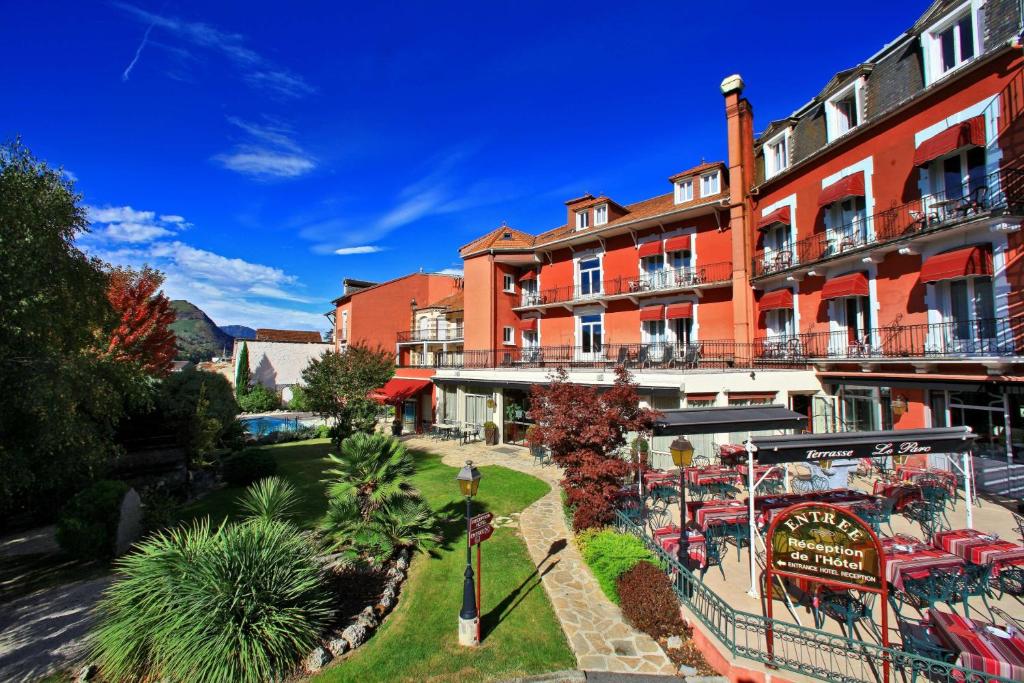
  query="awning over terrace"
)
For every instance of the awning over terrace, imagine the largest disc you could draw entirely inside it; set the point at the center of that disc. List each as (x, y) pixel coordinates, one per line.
(717, 419)
(777, 216)
(780, 298)
(649, 249)
(655, 312)
(528, 275)
(681, 310)
(966, 134)
(965, 262)
(397, 390)
(528, 324)
(773, 450)
(852, 284)
(678, 243)
(847, 186)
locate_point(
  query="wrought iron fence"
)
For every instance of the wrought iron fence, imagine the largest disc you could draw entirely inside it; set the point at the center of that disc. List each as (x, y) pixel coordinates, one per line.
(995, 193)
(800, 649)
(452, 333)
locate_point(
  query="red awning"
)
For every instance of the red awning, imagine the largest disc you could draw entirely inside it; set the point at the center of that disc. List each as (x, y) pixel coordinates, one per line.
(528, 275)
(649, 249)
(680, 243)
(397, 390)
(853, 284)
(676, 311)
(965, 262)
(652, 312)
(528, 324)
(968, 133)
(777, 216)
(780, 298)
(850, 186)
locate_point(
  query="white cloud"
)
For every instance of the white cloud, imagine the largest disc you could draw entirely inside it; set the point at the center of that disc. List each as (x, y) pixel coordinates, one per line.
(123, 224)
(256, 70)
(134, 232)
(172, 218)
(452, 271)
(270, 152)
(367, 249)
(118, 214)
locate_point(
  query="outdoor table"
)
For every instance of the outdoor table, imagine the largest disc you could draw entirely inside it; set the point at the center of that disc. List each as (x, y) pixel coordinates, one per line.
(904, 562)
(448, 429)
(715, 474)
(773, 471)
(732, 454)
(904, 492)
(909, 542)
(910, 473)
(654, 478)
(979, 548)
(668, 539)
(984, 647)
(720, 512)
(769, 506)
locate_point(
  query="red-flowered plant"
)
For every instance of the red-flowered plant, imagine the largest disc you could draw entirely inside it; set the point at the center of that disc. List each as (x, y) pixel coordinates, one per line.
(142, 335)
(583, 426)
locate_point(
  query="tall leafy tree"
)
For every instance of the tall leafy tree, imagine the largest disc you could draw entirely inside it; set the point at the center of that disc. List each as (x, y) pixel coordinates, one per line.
(143, 335)
(584, 426)
(242, 371)
(337, 385)
(61, 399)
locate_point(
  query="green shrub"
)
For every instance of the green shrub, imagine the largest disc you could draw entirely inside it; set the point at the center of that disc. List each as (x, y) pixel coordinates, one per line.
(242, 469)
(259, 399)
(299, 400)
(160, 510)
(198, 423)
(323, 432)
(611, 554)
(87, 527)
(240, 603)
(648, 601)
(584, 537)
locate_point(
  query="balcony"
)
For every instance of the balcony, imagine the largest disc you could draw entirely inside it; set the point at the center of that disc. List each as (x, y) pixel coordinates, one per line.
(970, 340)
(633, 287)
(1002, 193)
(449, 334)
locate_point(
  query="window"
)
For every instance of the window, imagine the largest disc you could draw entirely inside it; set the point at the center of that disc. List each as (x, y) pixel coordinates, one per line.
(590, 277)
(850, 324)
(450, 404)
(344, 325)
(709, 184)
(684, 191)
(958, 175)
(967, 308)
(776, 154)
(582, 220)
(531, 339)
(848, 219)
(778, 248)
(601, 214)
(843, 110)
(860, 408)
(590, 333)
(682, 328)
(509, 284)
(652, 271)
(655, 338)
(950, 44)
(681, 264)
(476, 409)
(780, 322)
(529, 292)
(508, 336)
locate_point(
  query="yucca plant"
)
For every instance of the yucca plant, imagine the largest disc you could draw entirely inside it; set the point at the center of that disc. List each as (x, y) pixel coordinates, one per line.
(272, 498)
(371, 469)
(242, 602)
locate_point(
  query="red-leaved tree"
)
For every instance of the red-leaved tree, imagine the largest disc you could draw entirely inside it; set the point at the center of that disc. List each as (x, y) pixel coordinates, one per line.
(583, 426)
(143, 335)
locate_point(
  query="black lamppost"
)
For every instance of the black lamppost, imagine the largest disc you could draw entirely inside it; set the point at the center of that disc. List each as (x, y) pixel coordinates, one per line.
(682, 456)
(469, 481)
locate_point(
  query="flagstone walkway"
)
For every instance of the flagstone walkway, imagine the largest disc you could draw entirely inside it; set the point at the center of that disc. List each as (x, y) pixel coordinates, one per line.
(597, 632)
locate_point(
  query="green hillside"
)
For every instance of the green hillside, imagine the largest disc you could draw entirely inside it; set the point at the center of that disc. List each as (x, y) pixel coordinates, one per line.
(198, 337)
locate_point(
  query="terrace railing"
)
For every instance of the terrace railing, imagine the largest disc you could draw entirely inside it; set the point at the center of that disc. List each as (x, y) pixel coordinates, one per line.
(659, 281)
(803, 650)
(997, 193)
(453, 333)
(990, 337)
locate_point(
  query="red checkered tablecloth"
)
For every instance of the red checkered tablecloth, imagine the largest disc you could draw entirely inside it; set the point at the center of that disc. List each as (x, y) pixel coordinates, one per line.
(668, 539)
(716, 474)
(902, 564)
(904, 492)
(998, 651)
(979, 548)
(912, 474)
(654, 478)
(720, 512)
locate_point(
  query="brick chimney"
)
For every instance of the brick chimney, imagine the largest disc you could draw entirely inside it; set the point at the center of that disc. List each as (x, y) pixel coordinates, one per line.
(739, 119)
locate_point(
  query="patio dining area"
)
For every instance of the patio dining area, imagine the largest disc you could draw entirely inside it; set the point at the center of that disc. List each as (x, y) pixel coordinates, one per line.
(952, 565)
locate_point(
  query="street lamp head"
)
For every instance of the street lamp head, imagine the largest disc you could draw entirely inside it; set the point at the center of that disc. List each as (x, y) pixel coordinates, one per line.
(412, 303)
(682, 452)
(469, 479)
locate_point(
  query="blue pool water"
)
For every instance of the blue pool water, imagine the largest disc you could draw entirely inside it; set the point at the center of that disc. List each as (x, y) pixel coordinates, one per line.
(261, 426)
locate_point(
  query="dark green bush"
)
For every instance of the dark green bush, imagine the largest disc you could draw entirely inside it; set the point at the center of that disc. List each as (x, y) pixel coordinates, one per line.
(611, 554)
(259, 399)
(242, 469)
(241, 603)
(200, 406)
(87, 527)
(648, 601)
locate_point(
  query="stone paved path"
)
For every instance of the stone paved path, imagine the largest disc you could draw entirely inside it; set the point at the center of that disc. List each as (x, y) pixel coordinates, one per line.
(597, 632)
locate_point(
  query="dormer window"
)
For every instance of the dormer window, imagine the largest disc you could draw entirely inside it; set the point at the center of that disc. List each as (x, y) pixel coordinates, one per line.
(950, 44)
(684, 191)
(600, 214)
(776, 154)
(710, 183)
(506, 236)
(582, 220)
(843, 110)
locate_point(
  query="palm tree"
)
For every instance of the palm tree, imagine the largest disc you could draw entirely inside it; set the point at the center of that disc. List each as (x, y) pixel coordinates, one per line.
(372, 470)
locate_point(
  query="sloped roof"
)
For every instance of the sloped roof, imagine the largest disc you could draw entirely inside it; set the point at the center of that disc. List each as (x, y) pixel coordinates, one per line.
(707, 166)
(451, 303)
(298, 336)
(502, 237)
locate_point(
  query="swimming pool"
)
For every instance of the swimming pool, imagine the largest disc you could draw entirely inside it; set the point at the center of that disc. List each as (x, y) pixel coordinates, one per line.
(261, 426)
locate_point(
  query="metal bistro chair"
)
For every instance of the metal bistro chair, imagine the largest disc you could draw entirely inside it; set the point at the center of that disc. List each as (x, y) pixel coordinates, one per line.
(921, 646)
(844, 607)
(714, 549)
(973, 582)
(878, 513)
(1020, 525)
(1010, 581)
(941, 585)
(662, 496)
(930, 511)
(658, 518)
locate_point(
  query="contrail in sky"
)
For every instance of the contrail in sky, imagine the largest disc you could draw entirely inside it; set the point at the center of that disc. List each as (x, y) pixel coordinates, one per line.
(138, 53)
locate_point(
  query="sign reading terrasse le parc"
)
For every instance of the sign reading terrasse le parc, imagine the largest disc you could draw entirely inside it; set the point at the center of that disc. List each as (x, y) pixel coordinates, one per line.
(827, 544)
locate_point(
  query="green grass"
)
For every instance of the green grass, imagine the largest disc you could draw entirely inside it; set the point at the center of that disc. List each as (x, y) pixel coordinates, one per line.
(419, 640)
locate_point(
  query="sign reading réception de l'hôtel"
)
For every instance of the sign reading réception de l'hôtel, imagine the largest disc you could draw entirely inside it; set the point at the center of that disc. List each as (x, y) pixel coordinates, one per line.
(825, 543)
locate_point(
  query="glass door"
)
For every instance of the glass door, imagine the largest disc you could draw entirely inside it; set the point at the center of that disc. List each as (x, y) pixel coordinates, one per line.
(590, 347)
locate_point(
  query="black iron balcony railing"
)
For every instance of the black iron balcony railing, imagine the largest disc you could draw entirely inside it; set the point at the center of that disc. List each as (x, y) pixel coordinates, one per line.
(453, 333)
(956, 340)
(638, 285)
(1000, 192)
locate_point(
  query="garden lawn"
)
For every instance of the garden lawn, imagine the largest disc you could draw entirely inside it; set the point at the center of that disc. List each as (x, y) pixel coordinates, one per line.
(419, 639)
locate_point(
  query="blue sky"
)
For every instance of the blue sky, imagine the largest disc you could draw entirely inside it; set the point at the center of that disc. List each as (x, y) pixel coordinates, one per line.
(238, 146)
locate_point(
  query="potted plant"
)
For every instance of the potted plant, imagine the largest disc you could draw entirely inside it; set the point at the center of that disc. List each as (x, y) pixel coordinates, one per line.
(640, 449)
(490, 433)
(396, 426)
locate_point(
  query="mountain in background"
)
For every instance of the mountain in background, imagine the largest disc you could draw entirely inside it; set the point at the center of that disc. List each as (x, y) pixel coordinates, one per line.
(199, 338)
(239, 331)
